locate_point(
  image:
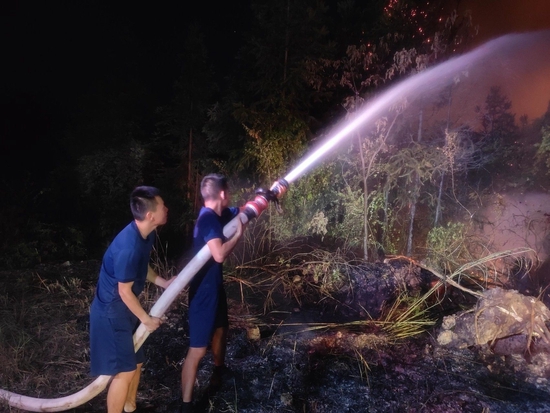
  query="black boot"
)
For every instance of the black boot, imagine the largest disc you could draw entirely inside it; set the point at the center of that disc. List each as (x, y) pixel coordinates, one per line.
(217, 377)
(186, 407)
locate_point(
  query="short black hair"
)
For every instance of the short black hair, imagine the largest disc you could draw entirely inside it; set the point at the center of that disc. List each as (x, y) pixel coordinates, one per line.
(143, 200)
(212, 185)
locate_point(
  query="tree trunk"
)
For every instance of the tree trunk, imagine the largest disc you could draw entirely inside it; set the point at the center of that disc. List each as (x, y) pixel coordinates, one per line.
(439, 195)
(287, 39)
(440, 192)
(365, 201)
(190, 180)
(416, 189)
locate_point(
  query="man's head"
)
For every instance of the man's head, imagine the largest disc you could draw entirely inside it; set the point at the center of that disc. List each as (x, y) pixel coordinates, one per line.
(146, 202)
(212, 187)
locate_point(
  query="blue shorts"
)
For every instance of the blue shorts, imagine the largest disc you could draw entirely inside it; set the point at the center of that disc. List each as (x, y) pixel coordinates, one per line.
(207, 312)
(112, 345)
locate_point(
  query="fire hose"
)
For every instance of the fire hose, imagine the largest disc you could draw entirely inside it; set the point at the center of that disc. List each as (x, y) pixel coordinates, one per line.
(251, 210)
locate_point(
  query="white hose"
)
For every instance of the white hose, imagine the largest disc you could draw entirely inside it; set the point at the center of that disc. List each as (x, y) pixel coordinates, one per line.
(34, 404)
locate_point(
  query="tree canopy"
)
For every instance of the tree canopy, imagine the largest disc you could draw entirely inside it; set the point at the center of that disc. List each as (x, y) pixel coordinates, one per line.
(301, 68)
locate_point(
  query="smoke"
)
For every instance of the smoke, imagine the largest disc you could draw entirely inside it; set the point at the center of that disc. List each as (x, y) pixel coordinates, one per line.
(516, 220)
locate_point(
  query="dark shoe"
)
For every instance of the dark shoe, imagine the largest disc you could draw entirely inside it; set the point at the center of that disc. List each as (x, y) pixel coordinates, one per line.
(186, 407)
(218, 375)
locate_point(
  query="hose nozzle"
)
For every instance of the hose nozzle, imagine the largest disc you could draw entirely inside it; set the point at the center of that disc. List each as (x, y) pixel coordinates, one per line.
(279, 188)
(254, 208)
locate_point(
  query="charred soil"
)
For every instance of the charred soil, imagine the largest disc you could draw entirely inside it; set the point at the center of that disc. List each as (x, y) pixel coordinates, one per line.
(291, 356)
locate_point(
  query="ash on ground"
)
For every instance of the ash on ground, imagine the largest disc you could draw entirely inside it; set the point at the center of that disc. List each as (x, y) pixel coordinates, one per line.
(298, 358)
(298, 368)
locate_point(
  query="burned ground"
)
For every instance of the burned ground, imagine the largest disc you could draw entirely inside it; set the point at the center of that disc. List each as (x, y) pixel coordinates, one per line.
(287, 357)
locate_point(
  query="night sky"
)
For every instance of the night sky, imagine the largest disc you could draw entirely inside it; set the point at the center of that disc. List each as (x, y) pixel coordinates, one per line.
(55, 48)
(499, 17)
(60, 56)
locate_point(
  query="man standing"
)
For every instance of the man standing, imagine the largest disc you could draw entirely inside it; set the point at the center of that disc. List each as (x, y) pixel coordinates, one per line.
(208, 321)
(116, 312)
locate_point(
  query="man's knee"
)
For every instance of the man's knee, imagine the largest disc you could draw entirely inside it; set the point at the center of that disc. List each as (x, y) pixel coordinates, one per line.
(196, 353)
(125, 375)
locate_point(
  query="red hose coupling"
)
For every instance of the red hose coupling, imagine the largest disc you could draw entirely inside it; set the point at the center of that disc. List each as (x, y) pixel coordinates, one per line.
(254, 208)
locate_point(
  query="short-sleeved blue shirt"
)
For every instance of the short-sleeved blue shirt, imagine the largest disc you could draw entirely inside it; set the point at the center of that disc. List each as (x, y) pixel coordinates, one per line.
(125, 260)
(112, 324)
(207, 306)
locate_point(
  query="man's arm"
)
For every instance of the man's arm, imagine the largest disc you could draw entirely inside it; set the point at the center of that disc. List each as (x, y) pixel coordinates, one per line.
(220, 251)
(133, 304)
(154, 278)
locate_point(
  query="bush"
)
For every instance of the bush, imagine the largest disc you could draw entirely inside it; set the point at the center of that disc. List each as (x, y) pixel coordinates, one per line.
(446, 247)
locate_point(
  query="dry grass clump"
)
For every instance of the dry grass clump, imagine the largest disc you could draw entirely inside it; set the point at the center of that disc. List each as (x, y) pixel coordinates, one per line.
(43, 335)
(405, 318)
(290, 273)
(315, 276)
(408, 316)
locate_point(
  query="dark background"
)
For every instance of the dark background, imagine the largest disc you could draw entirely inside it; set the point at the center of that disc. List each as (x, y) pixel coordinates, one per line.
(64, 60)
(74, 72)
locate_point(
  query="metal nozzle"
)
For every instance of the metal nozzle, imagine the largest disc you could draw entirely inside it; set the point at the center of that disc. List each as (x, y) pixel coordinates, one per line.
(254, 208)
(279, 188)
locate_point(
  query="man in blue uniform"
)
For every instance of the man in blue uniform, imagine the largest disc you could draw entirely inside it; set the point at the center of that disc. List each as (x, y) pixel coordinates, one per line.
(208, 321)
(116, 312)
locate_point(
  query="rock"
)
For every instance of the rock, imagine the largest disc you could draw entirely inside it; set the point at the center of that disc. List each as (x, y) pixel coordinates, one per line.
(503, 313)
(457, 330)
(499, 316)
(373, 286)
(253, 333)
(515, 344)
(446, 337)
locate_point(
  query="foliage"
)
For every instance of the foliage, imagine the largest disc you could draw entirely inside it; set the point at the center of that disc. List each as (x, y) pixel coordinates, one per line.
(411, 37)
(407, 316)
(349, 223)
(312, 195)
(107, 178)
(224, 139)
(384, 220)
(46, 242)
(179, 130)
(499, 134)
(318, 224)
(273, 140)
(278, 60)
(446, 247)
(416, 160)
(299, 70)
(273, 93)
(20, 255)
(325, 205)
(319, 204)
(542, 157)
